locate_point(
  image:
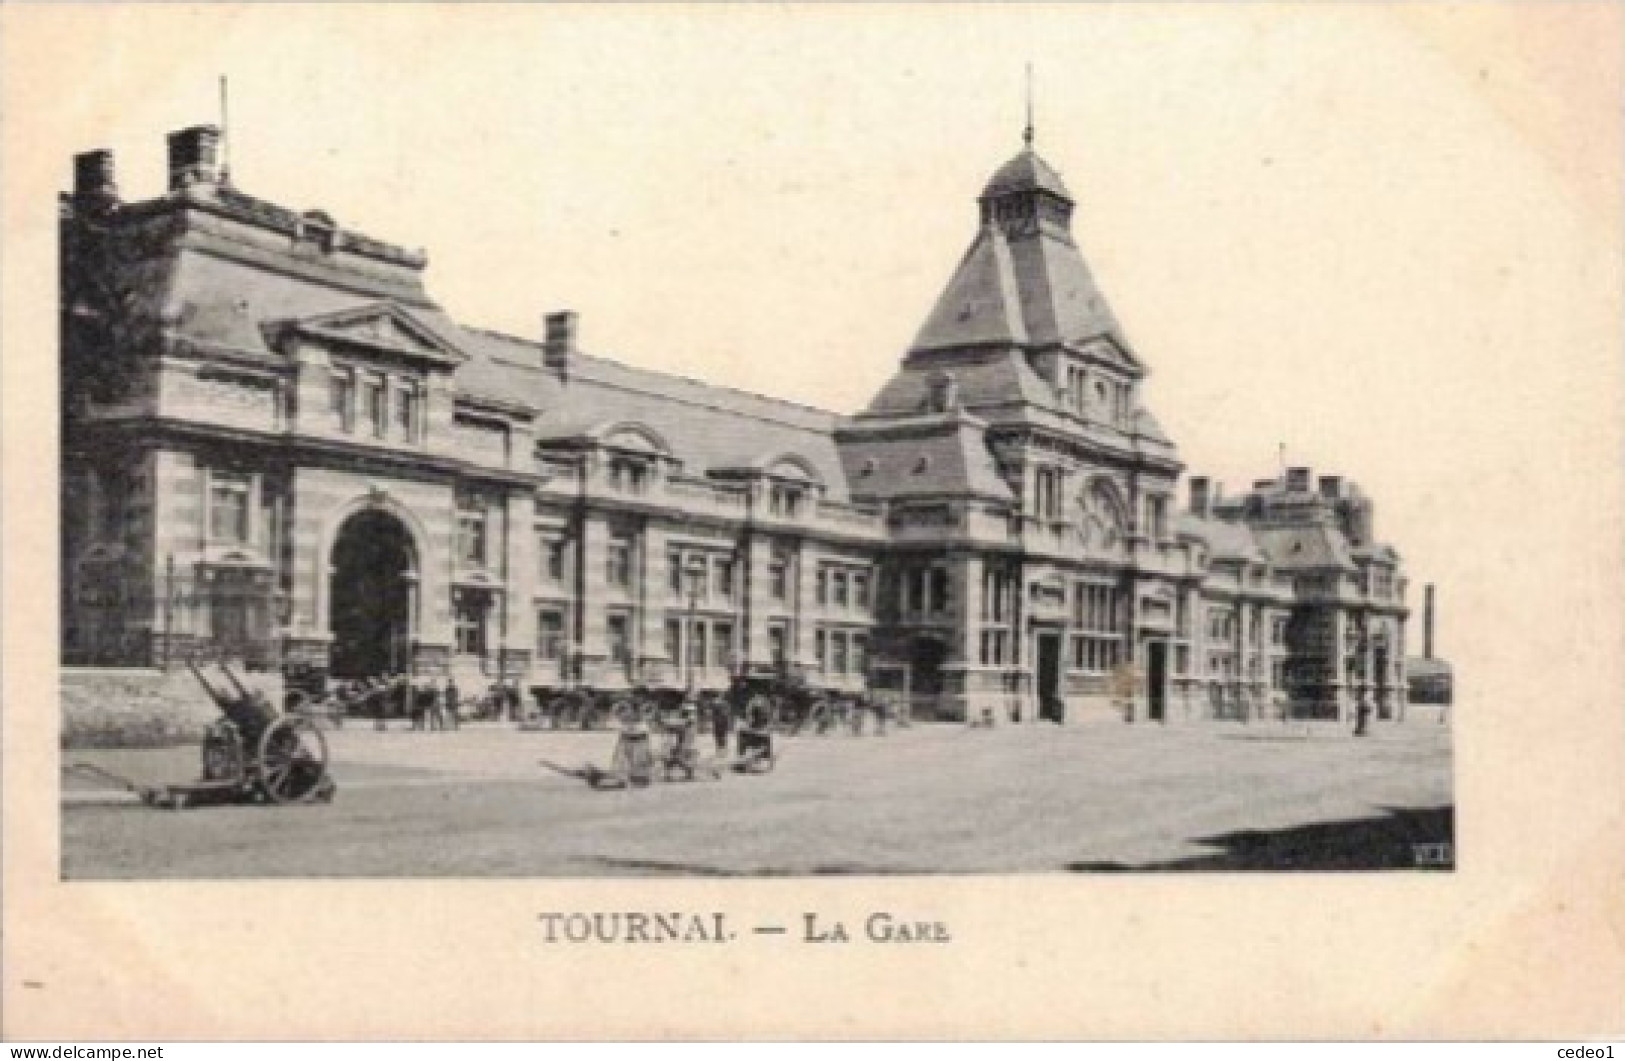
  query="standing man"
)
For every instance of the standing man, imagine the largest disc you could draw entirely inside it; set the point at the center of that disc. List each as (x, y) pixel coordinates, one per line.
(428, 692)
(449, 698)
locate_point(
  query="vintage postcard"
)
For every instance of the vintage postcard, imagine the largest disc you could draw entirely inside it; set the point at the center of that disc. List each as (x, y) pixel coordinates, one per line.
(968, 522)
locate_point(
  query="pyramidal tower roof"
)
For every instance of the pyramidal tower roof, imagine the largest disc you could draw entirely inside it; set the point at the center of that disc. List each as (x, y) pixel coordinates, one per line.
(1022, 281)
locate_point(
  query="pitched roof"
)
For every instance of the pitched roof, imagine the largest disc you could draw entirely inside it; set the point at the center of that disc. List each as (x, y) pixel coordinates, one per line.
(1060, 302)
(1027, 286)
(708, 427)
(1305, 546)
(992, 378)
(1025, 172)
(982, 303)
(221, 301)
(1225, 540)
(935, 455)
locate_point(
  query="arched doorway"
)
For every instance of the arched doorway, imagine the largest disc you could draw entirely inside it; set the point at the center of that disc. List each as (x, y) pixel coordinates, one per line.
(373, 596)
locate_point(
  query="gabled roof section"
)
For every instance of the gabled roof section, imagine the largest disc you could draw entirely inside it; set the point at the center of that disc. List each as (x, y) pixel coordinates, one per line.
(380, 327)
(982, 304)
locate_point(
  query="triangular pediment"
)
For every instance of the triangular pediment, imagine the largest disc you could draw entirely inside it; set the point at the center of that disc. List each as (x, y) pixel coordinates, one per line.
(381, 327)
(1106, 350)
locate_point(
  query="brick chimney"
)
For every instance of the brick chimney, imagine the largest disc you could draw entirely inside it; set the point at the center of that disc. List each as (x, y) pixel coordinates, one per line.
(94, 183)
(1201, 496)
(194, 156)
(559, 344)
(1331, 487)
(1297, 480)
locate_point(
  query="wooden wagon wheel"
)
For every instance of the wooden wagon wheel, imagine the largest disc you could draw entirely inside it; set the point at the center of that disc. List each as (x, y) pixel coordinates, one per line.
(292, 760)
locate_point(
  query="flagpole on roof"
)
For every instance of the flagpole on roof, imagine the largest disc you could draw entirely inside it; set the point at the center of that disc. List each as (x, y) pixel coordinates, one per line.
(225, 135)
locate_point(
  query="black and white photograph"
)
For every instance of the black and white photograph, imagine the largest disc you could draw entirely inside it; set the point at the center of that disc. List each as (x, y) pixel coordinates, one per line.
(1035, 449)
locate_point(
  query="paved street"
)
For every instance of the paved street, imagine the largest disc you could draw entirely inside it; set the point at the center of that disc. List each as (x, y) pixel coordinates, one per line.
(922, 800)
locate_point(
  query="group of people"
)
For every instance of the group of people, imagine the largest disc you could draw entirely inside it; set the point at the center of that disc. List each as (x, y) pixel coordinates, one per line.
(430, 703)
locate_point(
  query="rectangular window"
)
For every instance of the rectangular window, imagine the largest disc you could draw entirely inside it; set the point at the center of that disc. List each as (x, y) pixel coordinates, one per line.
(778, 576)
(784, 501)
(823, 586)
(838, 651)
(554, 549)
(550, 635)
(377, 400)
(468, 619)
(674, 640)
(696, 644)
(860, 654)
(229, 508)
(939, 589)
(674, 571)
(1156, 518)
(723, 574)
(860, 591)
(778, 638)
(618, 626)
(838, 589)
(405, 413)
(628, 474)
(471, 537)
(722, 645)
(821, 648)
(342, 399)
(619, 562)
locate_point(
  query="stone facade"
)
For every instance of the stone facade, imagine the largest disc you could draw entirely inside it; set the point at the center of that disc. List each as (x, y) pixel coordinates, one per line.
(278, 448)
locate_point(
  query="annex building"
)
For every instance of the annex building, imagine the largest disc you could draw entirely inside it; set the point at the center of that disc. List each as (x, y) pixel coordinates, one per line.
(278, 448)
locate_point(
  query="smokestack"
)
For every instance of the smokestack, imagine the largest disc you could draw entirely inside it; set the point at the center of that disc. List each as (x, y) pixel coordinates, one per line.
(194, 156)
(1427, 622)
(93, 178)
(559, 345)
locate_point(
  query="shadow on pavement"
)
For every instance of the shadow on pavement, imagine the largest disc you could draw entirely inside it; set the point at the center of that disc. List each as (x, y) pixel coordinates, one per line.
(1388, 841)
(652, 866)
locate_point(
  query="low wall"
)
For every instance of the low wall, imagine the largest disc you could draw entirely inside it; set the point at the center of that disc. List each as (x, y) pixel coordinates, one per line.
(137, 708)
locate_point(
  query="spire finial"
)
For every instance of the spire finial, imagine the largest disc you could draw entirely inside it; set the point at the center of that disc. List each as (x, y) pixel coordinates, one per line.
(1027, 133)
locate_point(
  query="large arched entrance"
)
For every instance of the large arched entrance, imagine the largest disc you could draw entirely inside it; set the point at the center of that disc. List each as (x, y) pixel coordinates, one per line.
(373, 596)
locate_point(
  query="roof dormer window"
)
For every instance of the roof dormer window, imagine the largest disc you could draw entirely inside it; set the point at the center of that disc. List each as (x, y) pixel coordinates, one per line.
(318, 230)
(784, 499)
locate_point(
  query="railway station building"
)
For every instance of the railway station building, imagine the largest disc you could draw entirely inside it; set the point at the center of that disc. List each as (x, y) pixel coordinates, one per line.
(278, 448)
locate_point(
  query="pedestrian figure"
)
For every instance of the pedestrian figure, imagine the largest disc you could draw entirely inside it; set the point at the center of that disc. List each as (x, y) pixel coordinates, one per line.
(428, 693)
(722, 720)
(447, 699)
(1362, 713)
(451, 702)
